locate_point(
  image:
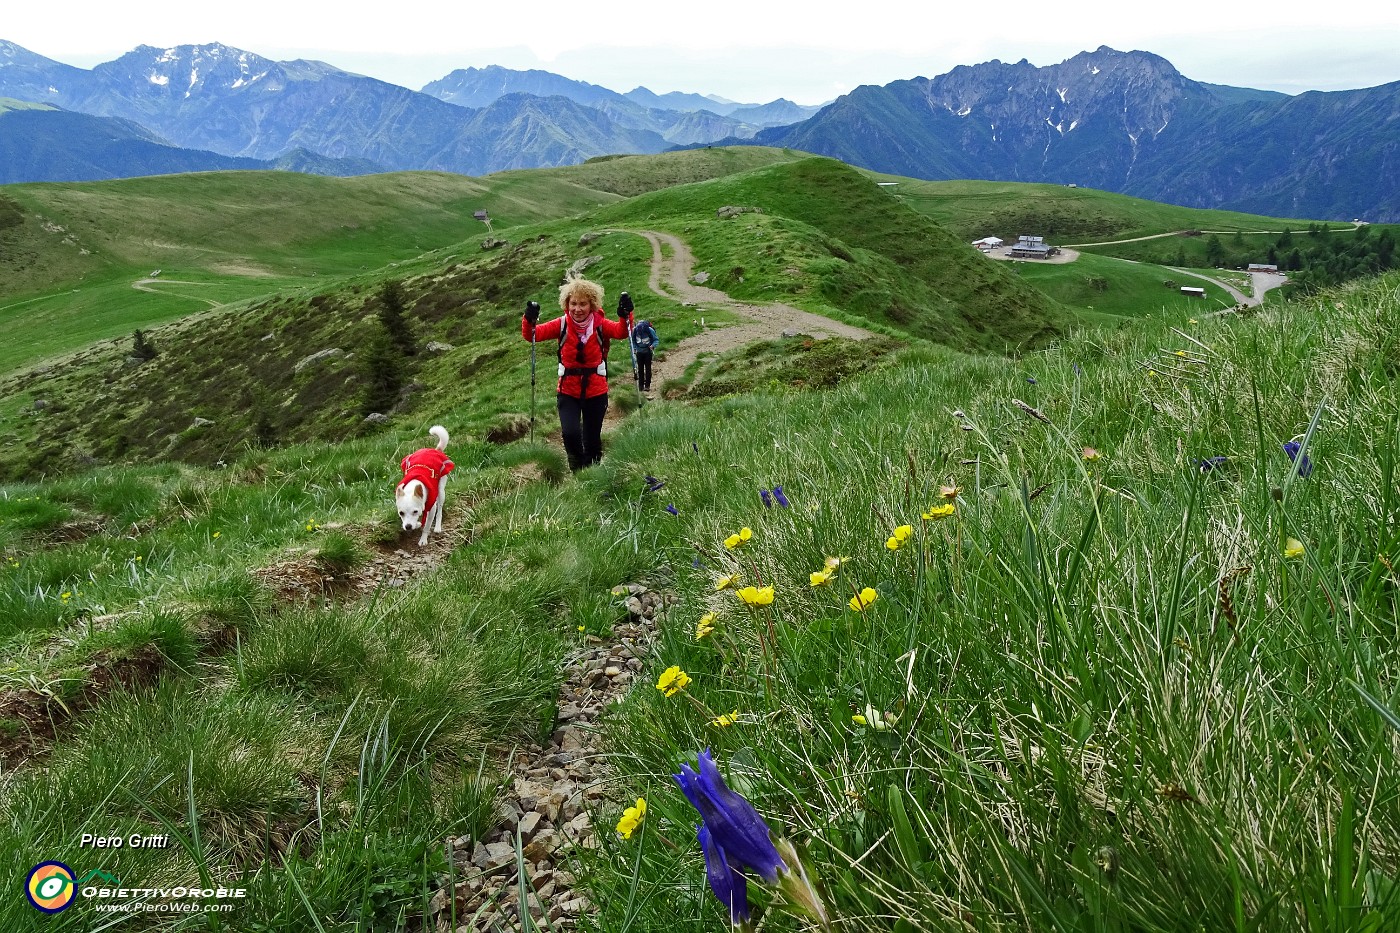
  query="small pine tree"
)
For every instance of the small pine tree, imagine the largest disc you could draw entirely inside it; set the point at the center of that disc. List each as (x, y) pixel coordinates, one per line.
(1215, 251)
(141, 348)
(385, 373)
(393, 315)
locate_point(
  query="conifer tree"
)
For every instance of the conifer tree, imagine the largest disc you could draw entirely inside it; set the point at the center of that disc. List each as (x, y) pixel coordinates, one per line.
(393, 315)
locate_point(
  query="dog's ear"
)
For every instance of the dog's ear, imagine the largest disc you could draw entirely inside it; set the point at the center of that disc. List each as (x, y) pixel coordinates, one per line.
(420, 491)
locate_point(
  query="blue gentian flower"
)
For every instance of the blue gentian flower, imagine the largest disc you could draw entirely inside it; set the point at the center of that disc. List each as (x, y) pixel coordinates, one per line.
(734, 825)
(1293, 448)
(729, 886)
(1210, 463)
(672, 509)
(779, 497)
(653, 484)
(767, 498)
(1031, 380)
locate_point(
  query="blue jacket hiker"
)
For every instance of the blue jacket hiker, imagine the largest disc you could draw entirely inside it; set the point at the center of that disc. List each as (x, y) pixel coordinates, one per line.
(644, 343)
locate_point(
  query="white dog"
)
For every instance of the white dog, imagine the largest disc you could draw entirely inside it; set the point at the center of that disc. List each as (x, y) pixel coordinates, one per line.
(420, 494)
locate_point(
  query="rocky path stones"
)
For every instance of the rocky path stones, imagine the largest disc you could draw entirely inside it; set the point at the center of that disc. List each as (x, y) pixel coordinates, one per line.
(555, 789)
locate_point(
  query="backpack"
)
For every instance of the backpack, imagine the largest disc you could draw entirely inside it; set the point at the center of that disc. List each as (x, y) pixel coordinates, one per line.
(604, 344)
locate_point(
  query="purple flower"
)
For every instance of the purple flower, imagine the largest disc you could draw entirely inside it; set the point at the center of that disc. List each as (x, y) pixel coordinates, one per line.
(1077, 370)
(1031, 380)
(767, 498)
(734, 825)
(779, 497)
(1210, 463)
(653, 484)
(1293, 449)
(672, 509)
(729, 886)
(695, 447)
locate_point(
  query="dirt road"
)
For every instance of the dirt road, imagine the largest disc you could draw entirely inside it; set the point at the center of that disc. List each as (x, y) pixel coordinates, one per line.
(672, 266)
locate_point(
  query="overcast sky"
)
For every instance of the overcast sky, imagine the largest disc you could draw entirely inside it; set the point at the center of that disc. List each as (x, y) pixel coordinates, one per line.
(744, 50)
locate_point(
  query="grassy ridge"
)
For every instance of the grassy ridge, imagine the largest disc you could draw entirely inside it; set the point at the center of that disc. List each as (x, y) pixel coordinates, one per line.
(974, 209)
(71, 262)
(247, 371)
(829, 240)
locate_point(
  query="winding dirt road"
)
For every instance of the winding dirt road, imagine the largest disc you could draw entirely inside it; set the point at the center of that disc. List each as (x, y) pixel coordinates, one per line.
(672, 266)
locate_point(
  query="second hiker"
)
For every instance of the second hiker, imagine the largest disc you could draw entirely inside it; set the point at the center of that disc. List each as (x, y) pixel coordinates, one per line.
(583, 333)
(644, 343)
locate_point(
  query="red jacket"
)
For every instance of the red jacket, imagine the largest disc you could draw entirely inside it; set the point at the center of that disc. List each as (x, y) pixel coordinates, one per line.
(571, 356)
(428, 465)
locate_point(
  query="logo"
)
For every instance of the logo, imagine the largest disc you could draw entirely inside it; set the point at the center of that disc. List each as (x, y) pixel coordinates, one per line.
(50, 887)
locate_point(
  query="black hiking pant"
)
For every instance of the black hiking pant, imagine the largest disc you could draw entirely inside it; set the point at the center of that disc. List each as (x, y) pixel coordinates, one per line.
(644, 369)
(581, 424)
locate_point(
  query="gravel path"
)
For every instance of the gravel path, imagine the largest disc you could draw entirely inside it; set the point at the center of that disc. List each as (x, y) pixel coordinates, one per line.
(672, 268)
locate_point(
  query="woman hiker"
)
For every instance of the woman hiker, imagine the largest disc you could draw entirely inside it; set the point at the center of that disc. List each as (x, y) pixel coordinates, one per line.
(583, 333)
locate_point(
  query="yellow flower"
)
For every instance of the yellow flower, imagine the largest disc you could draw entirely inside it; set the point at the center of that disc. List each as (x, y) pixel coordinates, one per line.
(820, 577)
(1192, 321)
(631, 819)
(866, 597)
(940, 511)
(756, 596)
(858, 719)
(1293, 548)
(583, 628)
(900, 536)
(1181, 353)
(217, 533)
(705, 626)
(735, 540)
(672, 681)
(724, 583)
(728, 719)
(67, 595)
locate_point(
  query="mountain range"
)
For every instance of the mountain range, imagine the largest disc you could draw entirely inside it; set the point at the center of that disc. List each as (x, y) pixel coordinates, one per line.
(1127, 122)
(1122, 121)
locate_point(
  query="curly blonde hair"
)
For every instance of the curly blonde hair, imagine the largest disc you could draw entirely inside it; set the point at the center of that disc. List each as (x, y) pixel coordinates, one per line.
(576, 287)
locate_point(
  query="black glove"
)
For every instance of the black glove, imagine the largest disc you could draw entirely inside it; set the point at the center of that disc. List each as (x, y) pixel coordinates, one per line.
(624, 305)
(532, 311)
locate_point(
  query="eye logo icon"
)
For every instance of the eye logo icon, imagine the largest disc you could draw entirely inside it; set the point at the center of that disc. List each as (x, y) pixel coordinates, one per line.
(50, 887)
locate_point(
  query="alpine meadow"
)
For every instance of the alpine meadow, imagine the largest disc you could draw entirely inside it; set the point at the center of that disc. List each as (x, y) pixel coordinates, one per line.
(929, 590)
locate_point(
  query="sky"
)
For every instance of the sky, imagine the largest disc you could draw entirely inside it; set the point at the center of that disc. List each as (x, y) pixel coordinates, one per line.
(743, 50)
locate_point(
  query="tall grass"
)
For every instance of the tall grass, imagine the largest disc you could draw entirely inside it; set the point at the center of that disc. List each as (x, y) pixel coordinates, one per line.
(1102, 695)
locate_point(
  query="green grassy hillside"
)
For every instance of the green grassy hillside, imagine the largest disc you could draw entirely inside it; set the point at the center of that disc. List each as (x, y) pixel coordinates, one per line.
(1061, 677)
(974, 209)
(826, 238)
(71, 252)
(247, 375)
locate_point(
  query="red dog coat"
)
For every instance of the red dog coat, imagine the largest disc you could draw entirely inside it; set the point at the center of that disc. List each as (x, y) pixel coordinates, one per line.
(427, 465)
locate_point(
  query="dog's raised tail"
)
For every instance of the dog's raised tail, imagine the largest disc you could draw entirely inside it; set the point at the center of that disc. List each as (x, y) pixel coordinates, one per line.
(439, 432)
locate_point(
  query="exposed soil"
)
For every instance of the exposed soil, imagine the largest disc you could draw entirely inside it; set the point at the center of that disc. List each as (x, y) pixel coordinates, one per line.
(33, 719)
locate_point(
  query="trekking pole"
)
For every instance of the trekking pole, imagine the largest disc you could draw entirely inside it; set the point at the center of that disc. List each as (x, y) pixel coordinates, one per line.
(624, 303)
(535, 307)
